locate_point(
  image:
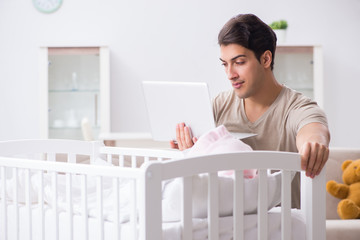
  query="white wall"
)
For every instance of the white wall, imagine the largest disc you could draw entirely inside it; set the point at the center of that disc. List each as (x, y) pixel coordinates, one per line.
(168, 40)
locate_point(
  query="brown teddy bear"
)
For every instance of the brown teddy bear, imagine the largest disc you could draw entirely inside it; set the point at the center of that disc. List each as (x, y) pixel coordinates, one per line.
(349, 192)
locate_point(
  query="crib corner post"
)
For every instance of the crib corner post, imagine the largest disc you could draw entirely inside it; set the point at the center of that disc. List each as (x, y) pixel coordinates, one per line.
(313, 205)
(95, 150)
(151, 202)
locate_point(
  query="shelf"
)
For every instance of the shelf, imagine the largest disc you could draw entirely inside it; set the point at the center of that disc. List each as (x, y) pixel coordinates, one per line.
(74, 91)
(75, 85)
(71, 133)
(70, 128)
(300, 67)
(73, 51)
(289, 49)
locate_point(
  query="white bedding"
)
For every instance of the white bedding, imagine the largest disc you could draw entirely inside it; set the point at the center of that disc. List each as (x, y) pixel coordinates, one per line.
(171, 208)
(171, 195)
(125, 189)
(171, 230)
(172, 189)
(219, 140)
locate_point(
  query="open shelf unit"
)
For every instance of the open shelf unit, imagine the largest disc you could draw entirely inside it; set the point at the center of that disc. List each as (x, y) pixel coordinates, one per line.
(74, 88)
(300, 67)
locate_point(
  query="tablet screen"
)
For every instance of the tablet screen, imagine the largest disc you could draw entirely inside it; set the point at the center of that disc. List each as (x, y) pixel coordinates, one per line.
(170, 103)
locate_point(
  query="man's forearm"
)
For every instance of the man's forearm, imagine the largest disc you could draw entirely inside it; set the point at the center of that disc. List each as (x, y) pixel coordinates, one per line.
(312, 142)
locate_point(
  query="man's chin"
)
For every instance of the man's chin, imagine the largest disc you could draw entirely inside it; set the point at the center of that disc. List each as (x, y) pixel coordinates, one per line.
(240, 93)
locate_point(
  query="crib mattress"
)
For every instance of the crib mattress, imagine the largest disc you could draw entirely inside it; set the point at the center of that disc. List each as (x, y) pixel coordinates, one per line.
(171, 230)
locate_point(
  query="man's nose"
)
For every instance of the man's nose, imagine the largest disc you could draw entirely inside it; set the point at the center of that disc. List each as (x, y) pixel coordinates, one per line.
(231, 73)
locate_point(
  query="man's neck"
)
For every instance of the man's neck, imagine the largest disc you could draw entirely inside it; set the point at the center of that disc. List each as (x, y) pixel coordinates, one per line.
(255, 106)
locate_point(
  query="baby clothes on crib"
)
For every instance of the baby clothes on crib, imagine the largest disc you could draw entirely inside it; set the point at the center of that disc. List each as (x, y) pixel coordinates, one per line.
(219, 140)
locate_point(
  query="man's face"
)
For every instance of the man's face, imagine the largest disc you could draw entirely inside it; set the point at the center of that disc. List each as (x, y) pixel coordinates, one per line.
(243, 69)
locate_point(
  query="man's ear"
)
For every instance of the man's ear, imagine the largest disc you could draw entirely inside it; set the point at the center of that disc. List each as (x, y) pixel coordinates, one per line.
(266, 59)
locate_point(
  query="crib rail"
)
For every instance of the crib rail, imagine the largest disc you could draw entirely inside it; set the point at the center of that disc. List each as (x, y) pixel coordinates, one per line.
(24, 155)
(138, 156)
(145, 195)
(69, 171)
(312, 197)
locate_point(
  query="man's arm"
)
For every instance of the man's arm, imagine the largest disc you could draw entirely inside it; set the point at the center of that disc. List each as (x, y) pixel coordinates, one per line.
(312, 142)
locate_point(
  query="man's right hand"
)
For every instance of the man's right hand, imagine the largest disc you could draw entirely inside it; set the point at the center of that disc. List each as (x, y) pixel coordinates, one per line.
(183, 138)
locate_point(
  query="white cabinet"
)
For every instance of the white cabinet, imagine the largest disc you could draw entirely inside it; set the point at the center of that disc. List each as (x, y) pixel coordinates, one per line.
(301, 68)
(75, 89)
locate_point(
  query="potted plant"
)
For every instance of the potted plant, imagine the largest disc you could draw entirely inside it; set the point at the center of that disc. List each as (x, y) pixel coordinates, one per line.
(279, 28)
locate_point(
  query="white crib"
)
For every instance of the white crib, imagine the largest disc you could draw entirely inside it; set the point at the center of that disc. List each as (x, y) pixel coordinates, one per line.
(48, 191)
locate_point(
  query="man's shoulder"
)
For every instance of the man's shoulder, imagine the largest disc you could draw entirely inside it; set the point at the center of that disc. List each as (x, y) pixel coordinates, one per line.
(291, 96)
(225, 96)
(225, 101)
(297, 104)
(291, 92)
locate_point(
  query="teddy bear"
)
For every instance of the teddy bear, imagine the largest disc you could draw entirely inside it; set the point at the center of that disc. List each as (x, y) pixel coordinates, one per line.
(349, 191)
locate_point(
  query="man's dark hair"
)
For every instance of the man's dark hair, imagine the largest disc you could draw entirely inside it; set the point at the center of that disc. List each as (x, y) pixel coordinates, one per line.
(250, 32)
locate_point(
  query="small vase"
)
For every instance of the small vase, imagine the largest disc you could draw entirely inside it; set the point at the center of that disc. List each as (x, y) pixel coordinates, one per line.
(280, 35)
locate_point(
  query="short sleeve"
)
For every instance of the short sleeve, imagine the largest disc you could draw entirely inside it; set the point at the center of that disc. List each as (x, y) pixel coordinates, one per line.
(305, 112)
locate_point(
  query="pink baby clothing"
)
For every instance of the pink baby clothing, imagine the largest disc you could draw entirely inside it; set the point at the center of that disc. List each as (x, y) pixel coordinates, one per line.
(219, 140)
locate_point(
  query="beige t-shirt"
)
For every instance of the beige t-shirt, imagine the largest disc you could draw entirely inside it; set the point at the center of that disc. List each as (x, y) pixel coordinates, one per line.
(276, 129)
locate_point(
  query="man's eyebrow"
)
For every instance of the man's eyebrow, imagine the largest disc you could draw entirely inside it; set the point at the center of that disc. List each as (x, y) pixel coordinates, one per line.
(240, 55)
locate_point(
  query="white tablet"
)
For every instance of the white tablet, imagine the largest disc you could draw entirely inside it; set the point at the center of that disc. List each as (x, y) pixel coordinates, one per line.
(170, 103)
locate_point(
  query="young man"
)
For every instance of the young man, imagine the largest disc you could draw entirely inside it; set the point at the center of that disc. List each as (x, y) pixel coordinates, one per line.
(284, 120)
